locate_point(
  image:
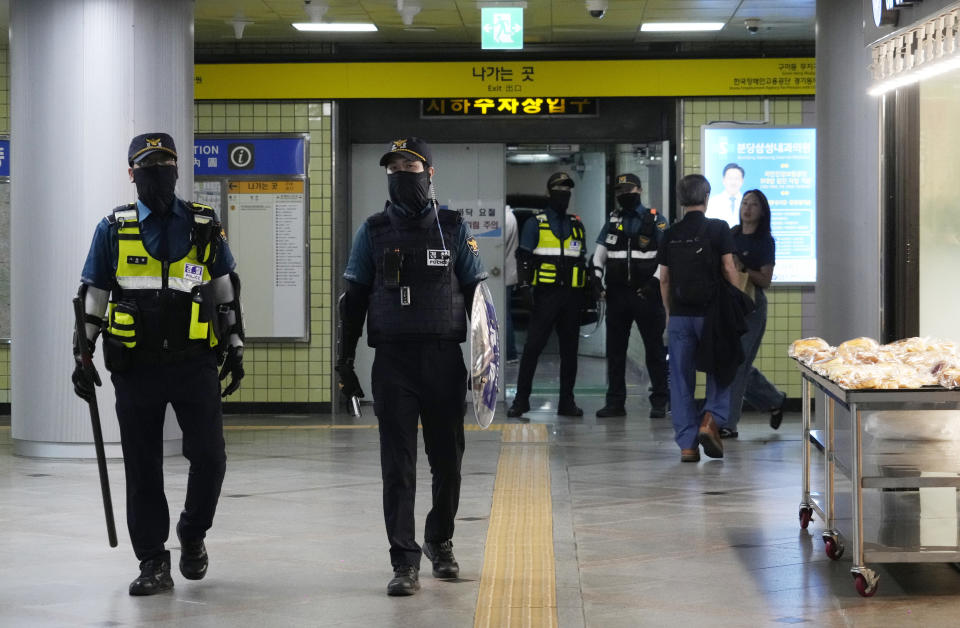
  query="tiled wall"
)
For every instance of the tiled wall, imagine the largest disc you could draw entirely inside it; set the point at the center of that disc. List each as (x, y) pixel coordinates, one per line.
(791, 310)
(287, 371)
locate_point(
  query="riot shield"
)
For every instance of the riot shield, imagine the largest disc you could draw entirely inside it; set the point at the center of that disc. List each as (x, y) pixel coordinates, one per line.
(485, 373)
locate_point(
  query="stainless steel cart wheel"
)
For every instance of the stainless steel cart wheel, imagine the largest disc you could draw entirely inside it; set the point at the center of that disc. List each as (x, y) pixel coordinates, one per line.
(866, 581)
(833, 548)
(806, 515)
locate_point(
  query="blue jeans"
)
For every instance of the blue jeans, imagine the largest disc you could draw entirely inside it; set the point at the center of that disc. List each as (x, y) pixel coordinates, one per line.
(749, 383)
(683, 335)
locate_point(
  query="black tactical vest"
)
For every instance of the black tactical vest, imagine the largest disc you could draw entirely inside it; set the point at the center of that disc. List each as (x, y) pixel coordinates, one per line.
(416, 294)
(631, 259)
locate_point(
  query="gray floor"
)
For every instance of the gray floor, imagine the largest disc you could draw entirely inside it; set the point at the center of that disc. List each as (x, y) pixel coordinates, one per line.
(641, 539)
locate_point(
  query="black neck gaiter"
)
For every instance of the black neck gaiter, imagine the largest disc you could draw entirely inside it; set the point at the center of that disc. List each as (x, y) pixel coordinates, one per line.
(155, 187)
(409, 191)
(559, 200)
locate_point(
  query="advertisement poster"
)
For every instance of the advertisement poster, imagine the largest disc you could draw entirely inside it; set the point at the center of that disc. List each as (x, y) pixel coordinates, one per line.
(780, 162)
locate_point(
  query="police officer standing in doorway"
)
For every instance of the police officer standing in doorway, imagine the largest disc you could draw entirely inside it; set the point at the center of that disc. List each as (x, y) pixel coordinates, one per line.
(411, 274)
(627, 247)
(162, 272)
(551, 258)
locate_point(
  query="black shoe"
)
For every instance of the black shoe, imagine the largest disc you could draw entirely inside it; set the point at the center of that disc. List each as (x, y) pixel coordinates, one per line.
(608, 411)
(193, 558)
(776, 417)
(570, 409)
(726, 432)
(518, 408)
(658, 412)
(154, 577)
(406, 580)
(441, 555)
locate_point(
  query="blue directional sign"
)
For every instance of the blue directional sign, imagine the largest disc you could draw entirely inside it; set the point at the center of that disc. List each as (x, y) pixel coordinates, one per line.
(4, 158)
(501, 28)
(249, 156)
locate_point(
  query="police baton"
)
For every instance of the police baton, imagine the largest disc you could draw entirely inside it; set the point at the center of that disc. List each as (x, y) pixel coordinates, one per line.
(86, 360)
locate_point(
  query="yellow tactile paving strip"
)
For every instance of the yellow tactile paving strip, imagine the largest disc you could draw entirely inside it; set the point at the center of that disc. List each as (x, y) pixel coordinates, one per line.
(518, 583)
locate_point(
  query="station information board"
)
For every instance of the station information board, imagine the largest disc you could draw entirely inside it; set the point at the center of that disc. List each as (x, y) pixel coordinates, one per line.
(780, 162)
(258, 187)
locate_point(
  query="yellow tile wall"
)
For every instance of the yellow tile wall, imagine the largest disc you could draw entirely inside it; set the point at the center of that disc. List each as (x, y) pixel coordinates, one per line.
(286, 371)
(785, 312)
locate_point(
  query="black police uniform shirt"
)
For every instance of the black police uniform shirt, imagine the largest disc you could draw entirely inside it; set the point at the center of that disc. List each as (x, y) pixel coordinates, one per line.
(755, 249)
(164, 237)
(721, 241)
(362, 265)
(561, 227)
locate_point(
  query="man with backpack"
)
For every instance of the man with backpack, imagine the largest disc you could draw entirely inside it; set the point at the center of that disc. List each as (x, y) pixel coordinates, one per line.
(695, 255)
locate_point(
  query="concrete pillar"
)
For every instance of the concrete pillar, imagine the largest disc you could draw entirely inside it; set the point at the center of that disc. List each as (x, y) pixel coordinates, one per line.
(86, 76)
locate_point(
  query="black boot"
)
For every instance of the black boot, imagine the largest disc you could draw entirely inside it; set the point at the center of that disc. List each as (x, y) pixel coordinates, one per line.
(193, 558)
(154, 576)
(441, 555)
(518, 408)
(406, 580)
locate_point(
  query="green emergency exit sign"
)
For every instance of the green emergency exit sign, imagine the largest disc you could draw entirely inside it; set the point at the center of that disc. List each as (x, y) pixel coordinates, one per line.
(501, 28)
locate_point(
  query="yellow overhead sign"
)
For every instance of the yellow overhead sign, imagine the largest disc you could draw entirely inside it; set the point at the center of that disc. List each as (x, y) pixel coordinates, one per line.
(463, 79)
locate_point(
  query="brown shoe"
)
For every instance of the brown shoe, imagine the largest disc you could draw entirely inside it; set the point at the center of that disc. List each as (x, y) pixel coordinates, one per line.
(689, 455)
(710, 437)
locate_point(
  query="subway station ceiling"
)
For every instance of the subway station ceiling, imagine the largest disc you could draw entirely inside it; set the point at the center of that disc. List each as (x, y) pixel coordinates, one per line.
(444, 29)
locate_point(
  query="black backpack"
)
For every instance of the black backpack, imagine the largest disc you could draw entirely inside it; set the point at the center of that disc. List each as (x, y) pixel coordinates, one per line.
(693, 269)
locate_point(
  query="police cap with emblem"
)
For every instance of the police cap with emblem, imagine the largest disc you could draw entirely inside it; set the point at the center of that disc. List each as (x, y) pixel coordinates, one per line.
(411, 148)
(149, 143)
(627, 179)
(559, 179)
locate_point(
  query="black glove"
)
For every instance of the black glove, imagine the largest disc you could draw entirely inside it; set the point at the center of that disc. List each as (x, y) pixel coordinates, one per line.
(525, 296)
(232, 365)
(596, 289)
(349, 384)
(85, 377)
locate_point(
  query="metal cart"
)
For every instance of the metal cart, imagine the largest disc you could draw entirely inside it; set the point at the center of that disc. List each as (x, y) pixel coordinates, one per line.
(895, 467)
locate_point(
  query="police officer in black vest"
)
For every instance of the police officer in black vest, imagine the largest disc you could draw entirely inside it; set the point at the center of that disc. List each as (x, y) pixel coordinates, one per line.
(162, 271)
(627, 248)
(411, 274)
(551, 259)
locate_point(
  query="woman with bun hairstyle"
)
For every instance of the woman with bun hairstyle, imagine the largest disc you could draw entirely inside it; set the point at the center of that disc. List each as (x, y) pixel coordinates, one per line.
(755, 257)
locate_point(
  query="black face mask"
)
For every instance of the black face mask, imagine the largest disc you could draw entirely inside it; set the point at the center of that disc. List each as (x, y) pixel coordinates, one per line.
(155, 187)
(630, 200)
(409, 190)
(559, 200)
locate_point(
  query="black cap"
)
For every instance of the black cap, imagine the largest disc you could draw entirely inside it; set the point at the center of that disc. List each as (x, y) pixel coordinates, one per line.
(558, 179)
(627, 179)
(149, 143)
(409, 147)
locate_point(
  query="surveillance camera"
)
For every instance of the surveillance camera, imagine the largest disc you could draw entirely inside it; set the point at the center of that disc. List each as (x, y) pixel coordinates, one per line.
(753, 25)
(597, 8)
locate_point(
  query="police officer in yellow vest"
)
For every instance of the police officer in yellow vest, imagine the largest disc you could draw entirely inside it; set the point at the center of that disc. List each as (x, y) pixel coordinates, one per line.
(552, 259)
(159, 283)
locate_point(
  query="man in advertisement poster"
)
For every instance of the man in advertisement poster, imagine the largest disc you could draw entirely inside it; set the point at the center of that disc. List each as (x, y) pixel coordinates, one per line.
(726, 205)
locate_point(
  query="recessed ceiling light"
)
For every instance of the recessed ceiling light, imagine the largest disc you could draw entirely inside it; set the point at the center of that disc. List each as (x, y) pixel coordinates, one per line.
(335, 27)
(420, 29)
(680, 27)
